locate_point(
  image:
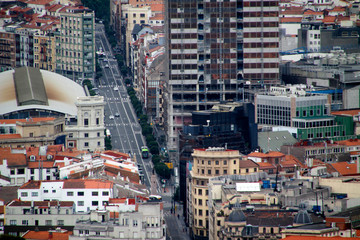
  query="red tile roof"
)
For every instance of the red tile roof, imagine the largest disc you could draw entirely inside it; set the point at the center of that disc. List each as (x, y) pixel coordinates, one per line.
(265, 165)
(329, 19)
(291, 20)
(257, 154)
(157, 7)
(311, 12)
(116, 154)
(13, 159)
(73, 184)
(158, 16)
(10, 136)
(294, 160)
(19, 203)
(44, 164)
(349, 142)
(44, 235)
(39, 2)
(353, 112)
(266, 155)
(248, 164)
(345, 168)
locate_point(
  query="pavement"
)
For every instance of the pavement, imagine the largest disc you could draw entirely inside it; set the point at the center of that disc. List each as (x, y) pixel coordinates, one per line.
(176, 227)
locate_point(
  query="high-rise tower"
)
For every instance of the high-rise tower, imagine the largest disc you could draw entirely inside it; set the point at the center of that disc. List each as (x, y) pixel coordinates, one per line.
(215, 48)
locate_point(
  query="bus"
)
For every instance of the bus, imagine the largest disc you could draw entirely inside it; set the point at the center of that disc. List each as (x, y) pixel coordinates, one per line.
(144, 152)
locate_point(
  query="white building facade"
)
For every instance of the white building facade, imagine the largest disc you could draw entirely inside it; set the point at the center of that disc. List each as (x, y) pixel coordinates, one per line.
(87, 194)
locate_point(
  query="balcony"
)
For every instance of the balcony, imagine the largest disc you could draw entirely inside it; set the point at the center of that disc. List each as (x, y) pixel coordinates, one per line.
(88, 43)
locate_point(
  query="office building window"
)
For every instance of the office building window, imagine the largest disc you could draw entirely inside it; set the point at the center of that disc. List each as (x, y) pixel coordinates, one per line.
(48, 222)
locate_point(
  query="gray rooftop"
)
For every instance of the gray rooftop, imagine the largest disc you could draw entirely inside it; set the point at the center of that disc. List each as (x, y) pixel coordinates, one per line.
(272, 141)
(29, 86)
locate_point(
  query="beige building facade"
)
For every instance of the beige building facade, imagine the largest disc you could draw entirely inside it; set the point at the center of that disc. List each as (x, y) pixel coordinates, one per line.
(209, 163)
(31, 132)
(134, 15)
(88, 132)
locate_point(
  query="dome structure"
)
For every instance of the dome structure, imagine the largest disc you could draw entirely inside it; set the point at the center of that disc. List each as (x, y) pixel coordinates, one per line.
(237, 215)
(302, 217)
(28, 89)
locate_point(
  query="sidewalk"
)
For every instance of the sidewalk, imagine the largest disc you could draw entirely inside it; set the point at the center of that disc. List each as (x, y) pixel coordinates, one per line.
(175, 224)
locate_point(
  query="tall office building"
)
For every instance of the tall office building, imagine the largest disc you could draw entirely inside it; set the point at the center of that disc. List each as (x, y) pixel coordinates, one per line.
(75, 44)
(216, 47)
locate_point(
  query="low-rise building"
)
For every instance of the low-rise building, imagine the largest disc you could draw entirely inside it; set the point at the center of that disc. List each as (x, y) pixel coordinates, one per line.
(31, 132)
(146, 222)
(23, 216)
(45, 235)
(87, 194)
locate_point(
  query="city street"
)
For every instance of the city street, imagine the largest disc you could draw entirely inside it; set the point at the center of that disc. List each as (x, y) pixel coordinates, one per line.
(120, 117)
(125, 130)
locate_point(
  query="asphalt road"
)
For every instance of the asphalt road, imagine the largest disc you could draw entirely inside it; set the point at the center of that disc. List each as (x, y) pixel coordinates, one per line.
(125, 130)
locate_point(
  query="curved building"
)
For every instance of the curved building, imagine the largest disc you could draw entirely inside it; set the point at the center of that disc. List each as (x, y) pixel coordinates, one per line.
(31, 92)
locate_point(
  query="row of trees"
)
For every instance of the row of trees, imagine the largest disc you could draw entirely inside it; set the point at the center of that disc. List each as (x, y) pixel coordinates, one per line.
(160, 167)
(102, 11)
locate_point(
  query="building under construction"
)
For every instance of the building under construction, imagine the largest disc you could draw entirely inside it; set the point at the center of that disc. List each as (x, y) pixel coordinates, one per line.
(215, 49)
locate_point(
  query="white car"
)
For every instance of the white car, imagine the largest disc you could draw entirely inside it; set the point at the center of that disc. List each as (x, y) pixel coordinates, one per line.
(107, 65)
(116, 89)
(111, 117)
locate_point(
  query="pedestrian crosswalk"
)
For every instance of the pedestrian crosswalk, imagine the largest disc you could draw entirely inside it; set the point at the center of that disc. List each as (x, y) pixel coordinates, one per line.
(121, 124)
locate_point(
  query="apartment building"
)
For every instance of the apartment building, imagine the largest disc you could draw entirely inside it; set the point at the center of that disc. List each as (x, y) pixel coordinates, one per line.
(9, 46)
(23, 216)
(209, 163)
(44, 54)
(75, 43)
(88, 194)
(214, 49)
(86, 130)
(134, 15)
(146, 222)
(26, 43)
